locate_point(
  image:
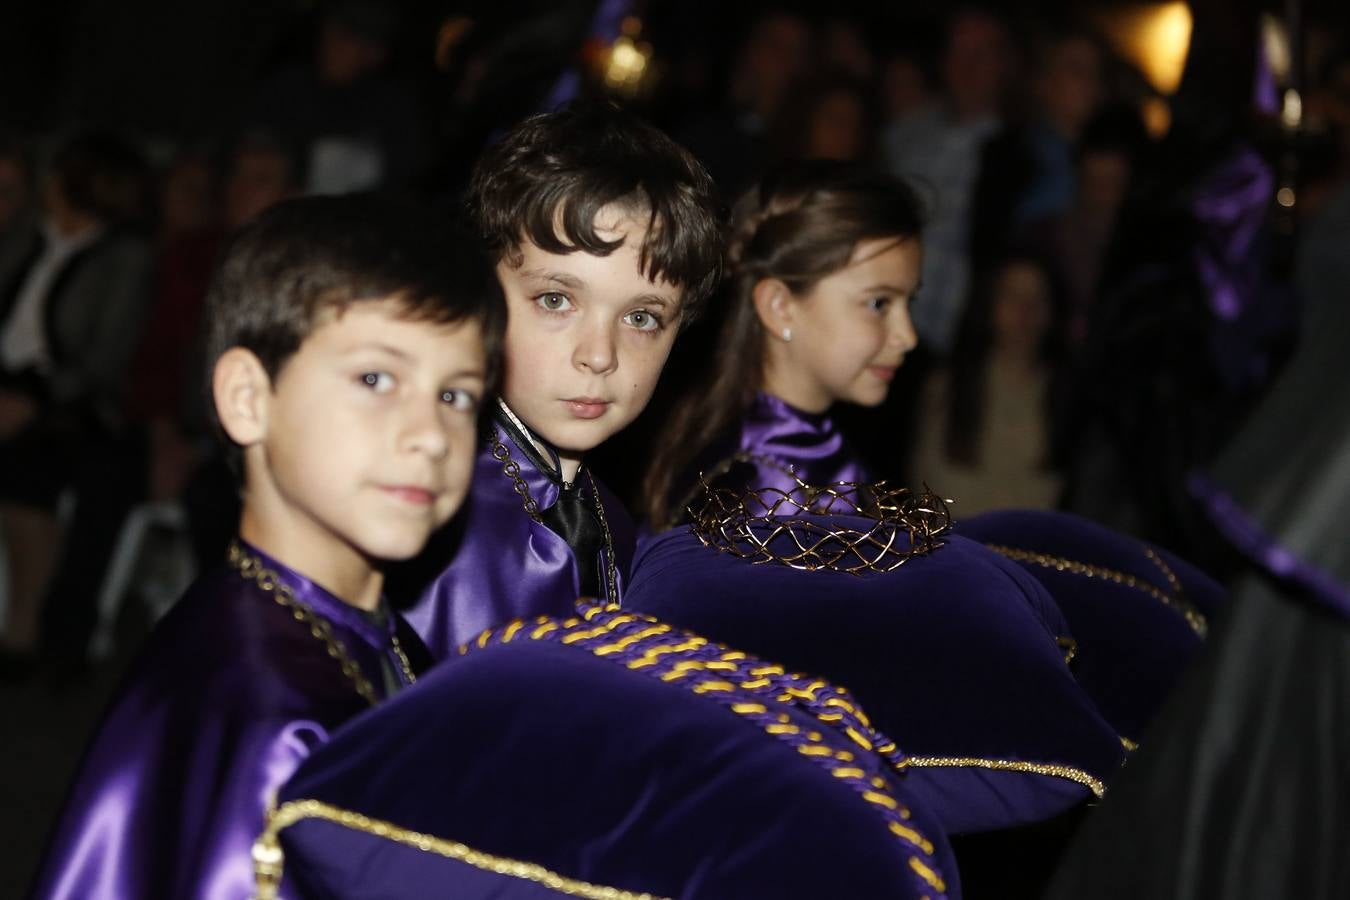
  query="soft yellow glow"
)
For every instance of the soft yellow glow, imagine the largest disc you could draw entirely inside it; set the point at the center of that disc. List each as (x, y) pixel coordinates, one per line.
(1275, 44)
(1291, 113)
(1154, 37)
(1285, 197)
(626, 65)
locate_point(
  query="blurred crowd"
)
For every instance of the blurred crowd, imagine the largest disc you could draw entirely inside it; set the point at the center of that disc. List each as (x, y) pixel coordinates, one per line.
(1105, 291)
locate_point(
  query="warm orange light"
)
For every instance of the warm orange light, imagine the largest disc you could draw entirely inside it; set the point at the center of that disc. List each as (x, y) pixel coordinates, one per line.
(1154, 37)
(450, 35)
(1157, 117)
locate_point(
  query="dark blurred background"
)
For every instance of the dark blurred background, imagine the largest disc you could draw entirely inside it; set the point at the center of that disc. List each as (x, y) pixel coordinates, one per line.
(1117, 195)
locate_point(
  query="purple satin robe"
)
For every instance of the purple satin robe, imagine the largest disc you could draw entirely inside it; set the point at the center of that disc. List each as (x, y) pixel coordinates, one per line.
(508, 566)
(230, 693)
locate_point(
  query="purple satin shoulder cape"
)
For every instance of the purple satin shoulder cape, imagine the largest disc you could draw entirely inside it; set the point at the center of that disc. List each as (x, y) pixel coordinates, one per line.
(230, 693)
(810, 444)
(776, 441)
(610, 755)
(505, 565)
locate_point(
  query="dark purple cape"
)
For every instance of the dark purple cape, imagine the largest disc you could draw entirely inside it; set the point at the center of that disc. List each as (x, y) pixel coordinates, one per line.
(506, 565)
(611, 750)
(230, 693)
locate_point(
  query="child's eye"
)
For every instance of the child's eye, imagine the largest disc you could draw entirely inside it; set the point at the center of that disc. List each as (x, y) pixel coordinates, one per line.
(553, 302)
(379, 382)
(643, 320)
(879, 304)
(459, 400)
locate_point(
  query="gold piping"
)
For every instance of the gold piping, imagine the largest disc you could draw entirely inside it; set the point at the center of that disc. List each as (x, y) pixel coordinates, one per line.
(1012, 765)
(268, 860)
(1194, 618)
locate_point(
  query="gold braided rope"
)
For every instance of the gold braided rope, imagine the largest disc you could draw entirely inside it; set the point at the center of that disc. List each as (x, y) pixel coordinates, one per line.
(1055, 770)
(268, 859)
(748, 523)
(1176, 600)
(269, 582)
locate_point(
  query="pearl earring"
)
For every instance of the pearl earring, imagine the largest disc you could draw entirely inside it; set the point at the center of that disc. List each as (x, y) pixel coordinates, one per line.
(787, 334)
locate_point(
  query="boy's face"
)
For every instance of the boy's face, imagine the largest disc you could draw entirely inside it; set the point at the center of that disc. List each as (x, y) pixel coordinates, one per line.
(586, 337)
(366, 437)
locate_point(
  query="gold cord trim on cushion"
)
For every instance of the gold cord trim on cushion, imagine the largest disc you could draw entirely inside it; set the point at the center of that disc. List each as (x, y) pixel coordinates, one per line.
(1176, 599)
(268, 860)
(756, 524)
(751, 688)
(1054, 770)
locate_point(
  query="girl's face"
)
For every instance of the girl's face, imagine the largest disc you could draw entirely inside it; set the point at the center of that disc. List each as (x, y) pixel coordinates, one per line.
(852, 330)
(1021, 313)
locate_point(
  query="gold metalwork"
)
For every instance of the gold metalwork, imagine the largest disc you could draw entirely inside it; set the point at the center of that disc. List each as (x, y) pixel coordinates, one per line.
(269, 860)
(511, 469)
(1176, 600)
(271, 583)
(748, 522)
(1069, 646)
(1054, 770)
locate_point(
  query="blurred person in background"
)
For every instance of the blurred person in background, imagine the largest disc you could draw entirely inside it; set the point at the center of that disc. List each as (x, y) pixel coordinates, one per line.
(357, 128)
(986, 419)
(74, 295)
(844, 47)
(833, 117)
(1028, 170)
(937, 149)
(1080, 238)
(732, 140)
(904, 87)
(162, 446)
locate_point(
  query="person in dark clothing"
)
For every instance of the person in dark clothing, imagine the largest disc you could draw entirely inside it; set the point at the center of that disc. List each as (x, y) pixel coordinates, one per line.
(73, 294)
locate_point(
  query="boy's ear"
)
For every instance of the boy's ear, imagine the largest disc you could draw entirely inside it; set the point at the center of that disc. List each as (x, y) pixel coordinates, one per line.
(774, 305)
(241, 390)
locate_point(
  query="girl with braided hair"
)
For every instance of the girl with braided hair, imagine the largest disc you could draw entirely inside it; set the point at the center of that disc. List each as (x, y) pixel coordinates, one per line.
(823, 262)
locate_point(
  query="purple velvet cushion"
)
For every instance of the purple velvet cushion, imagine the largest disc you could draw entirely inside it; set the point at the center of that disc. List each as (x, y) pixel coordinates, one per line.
(954, 656)
(547, 755)
(1137, 611)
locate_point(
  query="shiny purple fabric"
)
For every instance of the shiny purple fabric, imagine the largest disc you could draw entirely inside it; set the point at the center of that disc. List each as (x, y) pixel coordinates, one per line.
(1247, 535)
(546, 753)
(228, 696)
(810, 443)
(1230, 207)
(506, 565)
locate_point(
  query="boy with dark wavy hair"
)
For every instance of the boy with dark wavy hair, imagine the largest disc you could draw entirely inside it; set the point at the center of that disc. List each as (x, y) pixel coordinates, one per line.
(607, 240)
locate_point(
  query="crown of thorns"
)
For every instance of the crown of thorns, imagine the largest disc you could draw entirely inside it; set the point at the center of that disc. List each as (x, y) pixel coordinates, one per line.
(796, 527)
